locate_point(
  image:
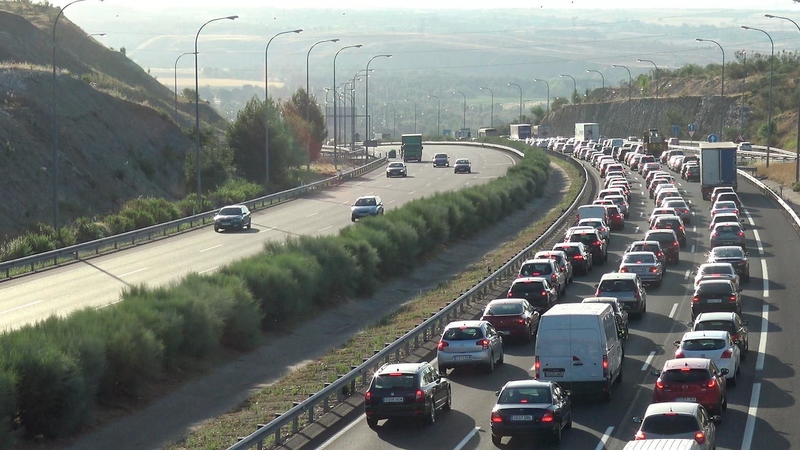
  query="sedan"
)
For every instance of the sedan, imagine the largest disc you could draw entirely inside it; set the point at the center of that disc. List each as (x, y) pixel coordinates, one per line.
(469, 343)
(716, 295)
(529, 407)
(692, 173)
(512, 317)
(369, 205)
(716, 271)
(396, 169)
(462, 165)
(645, 264)
(734, 255)
(236, 217)
(441, 160)
(715, 345)
(728, 233)
(537, 290)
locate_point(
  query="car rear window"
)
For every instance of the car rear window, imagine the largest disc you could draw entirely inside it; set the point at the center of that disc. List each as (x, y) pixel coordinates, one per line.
(714, 288)
(717, 269)
(660, 237)
(638, 259)
(685, 376)
(525, 395)
(671, 223)
(729, 253)
(645, 248)
(521, 288)
(617, 286)
(504, 309)
(535, 269)
(717, 325)
(395, 381)
(570, 250)
(728, 229)
(586, 238)
(703, 344)
(462, 334)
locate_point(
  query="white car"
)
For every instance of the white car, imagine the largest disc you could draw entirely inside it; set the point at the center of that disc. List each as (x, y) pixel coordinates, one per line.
(718, 346)
(745, 146)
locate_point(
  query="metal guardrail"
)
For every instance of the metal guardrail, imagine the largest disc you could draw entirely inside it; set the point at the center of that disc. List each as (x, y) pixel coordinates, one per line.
(320, 402)
(775, 196)
(75, 252)
(775, 153)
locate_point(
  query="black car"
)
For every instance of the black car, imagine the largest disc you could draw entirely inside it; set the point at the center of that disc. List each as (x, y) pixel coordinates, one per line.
(536, 290)
(714, 296)
(529, 407)
(648, 246)
(441, 160)
(406, 390)
(620, 313)
(462, 165)
(673, 223)
(579, 255)
(234, 217)
(592, 240)
(669, 243)
(734, 255)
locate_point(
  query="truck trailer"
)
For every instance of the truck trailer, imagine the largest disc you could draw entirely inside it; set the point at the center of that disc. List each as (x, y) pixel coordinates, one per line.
(411, 147)
(540, 131)
(520, 131)
(717, 167)
(587, 131)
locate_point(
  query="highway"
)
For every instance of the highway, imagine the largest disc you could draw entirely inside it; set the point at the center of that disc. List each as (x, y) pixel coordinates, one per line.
(762, 409)
(98, 281)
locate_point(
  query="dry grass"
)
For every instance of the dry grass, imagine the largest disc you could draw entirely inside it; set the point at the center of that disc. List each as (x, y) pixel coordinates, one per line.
(222, 431)
(782, 173)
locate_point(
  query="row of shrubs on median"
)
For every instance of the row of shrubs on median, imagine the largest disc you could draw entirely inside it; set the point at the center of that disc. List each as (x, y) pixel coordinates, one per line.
(54, 373)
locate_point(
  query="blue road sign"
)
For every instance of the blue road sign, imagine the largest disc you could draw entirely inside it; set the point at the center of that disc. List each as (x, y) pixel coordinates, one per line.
(713, 138)
(692, 127)
(676, 130)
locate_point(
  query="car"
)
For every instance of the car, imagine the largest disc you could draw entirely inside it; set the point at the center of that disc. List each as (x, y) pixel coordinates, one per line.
(669, 242)
(662, 194)
(620, 313)
(734, 255)
(670, 153)
(233, 217)
(744, 146)
(545, 268)
(537, 290)
(716, 345)
(682, 209)
(716, 295)
(686, 166)
(462, 165)
(674, 141)
(716, 271)
(725, 321)
(599, 225)
(692, 173)
(728, 233)
(513, 318)
(469, 343)
(723, 217)
(561, 258)
(622, 203)
(644, 264)
(648, 246)
(719, 190)
(677, 421)
(658, 212)
(724, 206)
(396, 169)
(579, 254)
(692, 380)
(658, 183)
(593, 241)
(615, 219)
(530, 407)
(441, 160)
(627, 288)
(673, 223)
(729, 197)
(368, 205)
(406, 390)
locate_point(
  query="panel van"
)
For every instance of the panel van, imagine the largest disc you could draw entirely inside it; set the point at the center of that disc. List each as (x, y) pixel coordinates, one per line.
(592, 212)
(578, 347)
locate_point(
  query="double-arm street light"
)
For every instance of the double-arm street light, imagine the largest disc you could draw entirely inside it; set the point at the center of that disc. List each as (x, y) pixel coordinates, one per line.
(491, 121)
(415, 113)
(176, 82)
(335, 113)
(394, 119)
(197, 109)
(464, 125)
(83, 41)
(797, 151)
(656, 72)
(574, 83)
(367, 134)
(630, 82)
(771, 72)
(308, 95)
(722, 84)
(602, 79)
(520, 99)
(438, 113)
(548, 92)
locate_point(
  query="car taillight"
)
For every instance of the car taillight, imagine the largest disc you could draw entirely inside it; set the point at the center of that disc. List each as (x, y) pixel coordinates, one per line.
(442, 345)
(735, 337)
(732, 298)
(675, 244)
(578, 257)
(496, 417)
(605, 366)
(660, 254)
(654, 269)
(597, 242)
(544, 293)
(695, 299)
(509, 294)
(640, 436)
(553, 277)
(623, 269)
(420, 396)
(536, 366)
(714, 234)
(740, 233)
(712, 382)
(679, 354)
(700, 437)
(736, 211)
(659, 384)
(367, 397)
(727, 354)
(521, 321)
(484, 343)
(597, 292)
(548, 416)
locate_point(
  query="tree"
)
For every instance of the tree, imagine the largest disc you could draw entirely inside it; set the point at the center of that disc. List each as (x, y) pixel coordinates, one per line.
(557, 103)
(576, 97)
(188, 93)
(538, 114)
(216, 159)
(313, 134)
(768, 128)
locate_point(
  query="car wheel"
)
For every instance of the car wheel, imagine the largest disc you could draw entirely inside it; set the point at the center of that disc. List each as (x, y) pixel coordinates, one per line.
(496, 440)
(502, 358)
(568, 426)
(557, 435)
(747, 277)
(352, 218)
(724, 406)
(373, 423)
(448, 404)
(431, 419)
(249, 224)
(443, 370)
(490, 366)
(216, 228)
(529, 335)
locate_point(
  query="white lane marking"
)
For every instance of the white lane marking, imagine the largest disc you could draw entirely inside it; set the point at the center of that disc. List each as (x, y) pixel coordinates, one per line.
(20, 307)
(467, 438)
(314, 214)
(210, 248)
(133, 272)
(636, 230)
(209, 270)
(641, 214)
(378, 176)
(762, 338)
(340, 433)
(694, 247)
(428, 184)
(513, 161)
(390, 201)
(648, 360)
(752, 410)
(323, 229)
(765, 278)
(694, 229)
(686, 275)
(673, 310)
(411, 192)
(388, 186)
(602, 444)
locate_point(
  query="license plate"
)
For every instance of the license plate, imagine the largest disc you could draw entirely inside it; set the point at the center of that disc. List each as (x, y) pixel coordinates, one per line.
(522, 417)
(714, 300)
(639, 269)
(462, 358)
(392, 399)
(686, 399)
(555, 373)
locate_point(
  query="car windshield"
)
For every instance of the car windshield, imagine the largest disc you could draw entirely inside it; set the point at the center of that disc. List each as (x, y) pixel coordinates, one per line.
(661, 237)
(462, 334)
(440, 156)
(638, 259)
(716, 325)
(535, 269)
(703, 344)
(525, 395)
(230, 211)
(462, 161)
(504, 309)
(645, 248)
(365, 201)
(583, 237)
(666, 424)
(685, 376)
(397, 164)
(395, 381)
(617, 286)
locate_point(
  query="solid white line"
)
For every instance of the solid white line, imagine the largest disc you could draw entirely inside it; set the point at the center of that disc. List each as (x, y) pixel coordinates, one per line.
(20, 307)
(209, 270)
(210, 248)
(314, 214)
(648, 360)
(636, 230)
(694, 229)
(752, 410)
(467, 438)
(135, 271)
(694, 247)
(428, 184)
(762, 338)
(673, 310)
(765, 278)
(390, 201)
(340, 433)
(411, 192)
(323, 229)
(641, 213)
(602, 444)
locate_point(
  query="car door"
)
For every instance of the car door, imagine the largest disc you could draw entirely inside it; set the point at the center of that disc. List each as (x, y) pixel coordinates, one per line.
(495, 339)
(431, 381)
(708, 427)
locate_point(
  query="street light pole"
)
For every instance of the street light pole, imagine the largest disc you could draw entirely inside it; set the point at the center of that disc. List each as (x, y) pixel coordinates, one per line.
(491, 122)
(630, 82)
(394, 119)
(574, 83)
(366, 97)
(335, 113)
(415, 114)
(520, 99)
(308, 96)
(722, 89)
(797, 151)
(464, 125)
(771, 73)
(197, 109)
(438, 113)
(353, 106)
(176, 82)
(656, 73)
(83, 41)
(548, 92)
(603, 80)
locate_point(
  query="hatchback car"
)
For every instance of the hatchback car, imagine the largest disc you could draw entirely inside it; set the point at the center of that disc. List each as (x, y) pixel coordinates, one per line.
(725, 321)
(561, 258)
(406, 390)
(462, 165)
(729, 197)
(728, 233)
(678, 421)
(669, 242)
(599, 225)
(537, 290)
(716, 295)
(627, 288)
(692, 380)
(530, 407)
(592, 239)
(716, 345)
(734, 255)
(369, 205)
(719, 190)
(579, 254)
(233, 217)
(396, 169)
(673, 223)
(469, 343)
(615, 218)
(644, 264)
(545, 268)
(716, 271)
(513, 318)
(723, 217)
(682, 209)
(648, 246)
(692, 173)
(657, 212)
(622, 203)
(441, 160)
(724, 206)
(744, 146)
(620, 313)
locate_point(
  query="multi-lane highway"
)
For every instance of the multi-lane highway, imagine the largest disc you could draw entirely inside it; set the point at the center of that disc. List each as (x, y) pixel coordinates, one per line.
(762, 407)
(99, 281)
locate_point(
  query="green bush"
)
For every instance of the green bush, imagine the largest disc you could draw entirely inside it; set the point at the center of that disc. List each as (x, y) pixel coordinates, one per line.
(16, 248)
(8, 404)
(238, 309)
(86, 230)
(367, 259)
(40, 243)
(140, 218)
(381, 242)
(339, 267)
(119, 224)
(404, 239)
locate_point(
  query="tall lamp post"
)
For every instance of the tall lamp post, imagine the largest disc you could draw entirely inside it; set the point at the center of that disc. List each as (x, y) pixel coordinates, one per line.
(548, 92)
(308, 95)
(335, 113)
(722, 88)
(438, 113)
(797, 154)
(491, 120)
(630, 82)
(520, 99)
(176, 81)
(771, 73)
(415, 113)
(353, 105)
(394, 119)
(83, 41)
(656, 72)
(464, 124)
(197, 109)
(603, 81)
(574, 83)
(366, 97)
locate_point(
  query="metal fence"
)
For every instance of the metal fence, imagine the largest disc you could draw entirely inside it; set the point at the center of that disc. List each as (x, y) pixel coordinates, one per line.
(333, 393)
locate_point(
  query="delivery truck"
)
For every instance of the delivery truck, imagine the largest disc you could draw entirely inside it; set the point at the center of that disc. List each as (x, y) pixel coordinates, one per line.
(587, 131)
(411, 147)
(519, 131)
(717, 167)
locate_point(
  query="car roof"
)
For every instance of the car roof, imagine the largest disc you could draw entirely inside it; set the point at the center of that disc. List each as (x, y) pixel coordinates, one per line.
(465, 323)
(529, 279)
(640, 253)
(503, 301)
(663, 217)
(718, 315)
(619, 276)
(600, 300)
(713, 334)
(646, 242)
(691, 363)
(714, 281)
(528, 383)
(402, 367)
(672, 407)
(550, 252)
(660, 231)
(368, 196)
(719, 264)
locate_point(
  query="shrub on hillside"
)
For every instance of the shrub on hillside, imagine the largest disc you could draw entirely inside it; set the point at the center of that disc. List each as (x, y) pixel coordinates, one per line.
(8, 404)
(236, 191)
(119, 224)
(16, 248)
(367, 260)
(140, 218)
(339, 266)
(87, 230)
(40, 243)
(381, 242)
(405, 240)
(238, 310)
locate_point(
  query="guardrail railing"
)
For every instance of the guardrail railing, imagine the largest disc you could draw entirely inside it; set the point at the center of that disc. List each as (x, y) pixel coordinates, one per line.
(320, 402)
(775, 153)
(795, 219)
(112, 243)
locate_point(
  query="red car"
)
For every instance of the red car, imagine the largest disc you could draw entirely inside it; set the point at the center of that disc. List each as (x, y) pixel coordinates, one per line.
(513, 318)
(695, 380)
(615, 219)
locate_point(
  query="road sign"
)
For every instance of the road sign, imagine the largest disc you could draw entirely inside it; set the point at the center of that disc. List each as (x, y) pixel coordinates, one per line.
(676, 130)
(691, 133)
(713, 138)
(692, 127)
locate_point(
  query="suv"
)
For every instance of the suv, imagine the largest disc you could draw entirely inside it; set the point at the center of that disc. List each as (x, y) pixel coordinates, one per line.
(696, 380)
(536, 290)
(669, 243)
(441, 160)
(469, 343)
(413, 390)
(368, 205)
(673, 223)
(545, 268)
(627, 288)
(679, 420)
(592, 239)
(579, 254)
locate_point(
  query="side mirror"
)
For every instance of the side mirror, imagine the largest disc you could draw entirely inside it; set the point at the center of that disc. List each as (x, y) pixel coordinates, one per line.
(677, 343)
(596, 285)
(744, 322)
(639, 419)
(655, 372)
(723, 371)
(690, 324)
(716, 419)
(497, 393)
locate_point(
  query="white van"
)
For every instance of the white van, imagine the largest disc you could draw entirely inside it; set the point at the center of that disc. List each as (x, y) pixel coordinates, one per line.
(663, 444)
(592, 212)
(578, 347)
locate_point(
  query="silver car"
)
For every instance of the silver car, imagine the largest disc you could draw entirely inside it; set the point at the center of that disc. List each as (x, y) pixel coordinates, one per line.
(645, 264)
(679, 420)
(728, 233)
(724, 206)
(682, 209)
(717, 271)
(560, 258)
(396, 169)
(621, 202)
(469, 343)
(369, 205)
